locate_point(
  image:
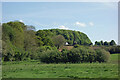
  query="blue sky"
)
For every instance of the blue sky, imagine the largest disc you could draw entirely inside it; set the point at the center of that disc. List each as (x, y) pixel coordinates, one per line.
(99, 20)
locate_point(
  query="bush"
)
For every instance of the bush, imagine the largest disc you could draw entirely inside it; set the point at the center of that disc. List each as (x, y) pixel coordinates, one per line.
(75, 55)
(83, 55)
(76, 45)
(64, 57)
(115, 49)
(50, 56)
(102, 55)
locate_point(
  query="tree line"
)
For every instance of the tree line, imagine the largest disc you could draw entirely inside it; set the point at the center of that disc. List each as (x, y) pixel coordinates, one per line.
(22, 42)
(101, 43)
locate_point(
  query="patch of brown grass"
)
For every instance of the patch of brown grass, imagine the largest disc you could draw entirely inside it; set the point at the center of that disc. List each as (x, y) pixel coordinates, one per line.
(66, 47)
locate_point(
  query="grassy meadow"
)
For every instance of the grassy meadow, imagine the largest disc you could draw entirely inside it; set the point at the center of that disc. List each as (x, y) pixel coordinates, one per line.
(36, 69)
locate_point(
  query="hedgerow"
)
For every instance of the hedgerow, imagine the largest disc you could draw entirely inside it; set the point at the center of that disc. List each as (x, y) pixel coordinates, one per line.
(75, 55)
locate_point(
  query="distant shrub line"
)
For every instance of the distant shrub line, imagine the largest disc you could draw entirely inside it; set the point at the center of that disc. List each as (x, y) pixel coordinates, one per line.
(76, 55)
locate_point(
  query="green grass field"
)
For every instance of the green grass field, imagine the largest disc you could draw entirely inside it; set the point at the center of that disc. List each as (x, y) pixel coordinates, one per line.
(36, 69)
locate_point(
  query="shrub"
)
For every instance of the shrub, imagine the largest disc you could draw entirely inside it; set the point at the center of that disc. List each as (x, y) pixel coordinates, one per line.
(76, 45)
(45, 48)
(50, 56)
(82, 54)
(75, 55)
(91, 55)
(102, 55)
(115, 49)
(64, 57)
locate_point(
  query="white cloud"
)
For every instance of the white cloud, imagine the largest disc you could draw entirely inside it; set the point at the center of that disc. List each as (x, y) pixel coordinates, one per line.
(91, 23)
(63, 27)
(21, 20)
(80, 24)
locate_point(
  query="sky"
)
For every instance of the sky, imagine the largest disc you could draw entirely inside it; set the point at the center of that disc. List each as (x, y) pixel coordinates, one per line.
(99, 20)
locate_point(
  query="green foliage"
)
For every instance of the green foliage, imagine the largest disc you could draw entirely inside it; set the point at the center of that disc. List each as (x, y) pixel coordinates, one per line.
(76, 45)
(43, 38)
(112, 43)
(22, 42)
(102, 43)
(98, 43)
(30, 41)
(17, 25)
(48, 41)
(17, 29)
(58, 41)
(82, 55)
(75, 55)
(102, 55)
(45, 48)
(114, 49)
(106, 43)
(50, 56)
(110, 49)
(70, 36)
(18, 42)
(39, 41)
(12, 53)
(8, 33)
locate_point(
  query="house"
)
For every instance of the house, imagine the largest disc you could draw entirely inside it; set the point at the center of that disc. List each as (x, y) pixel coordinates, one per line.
(66, 43)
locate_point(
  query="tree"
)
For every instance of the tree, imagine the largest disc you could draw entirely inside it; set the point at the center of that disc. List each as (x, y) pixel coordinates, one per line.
(18, 29)
(29, 40)
(58, 41)
(97, 43)
(17, 41)
(47, 41)
(102, 43)
(39, 41)
(112, 43)
(106, 43)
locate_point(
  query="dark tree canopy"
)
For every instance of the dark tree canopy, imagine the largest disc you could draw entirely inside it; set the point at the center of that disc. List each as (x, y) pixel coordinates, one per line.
(112, 43)
(97, 43)
(106, 43)
(102, 43)
(72, 37)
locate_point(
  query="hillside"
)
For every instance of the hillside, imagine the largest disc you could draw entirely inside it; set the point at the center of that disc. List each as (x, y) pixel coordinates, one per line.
(72, 37)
